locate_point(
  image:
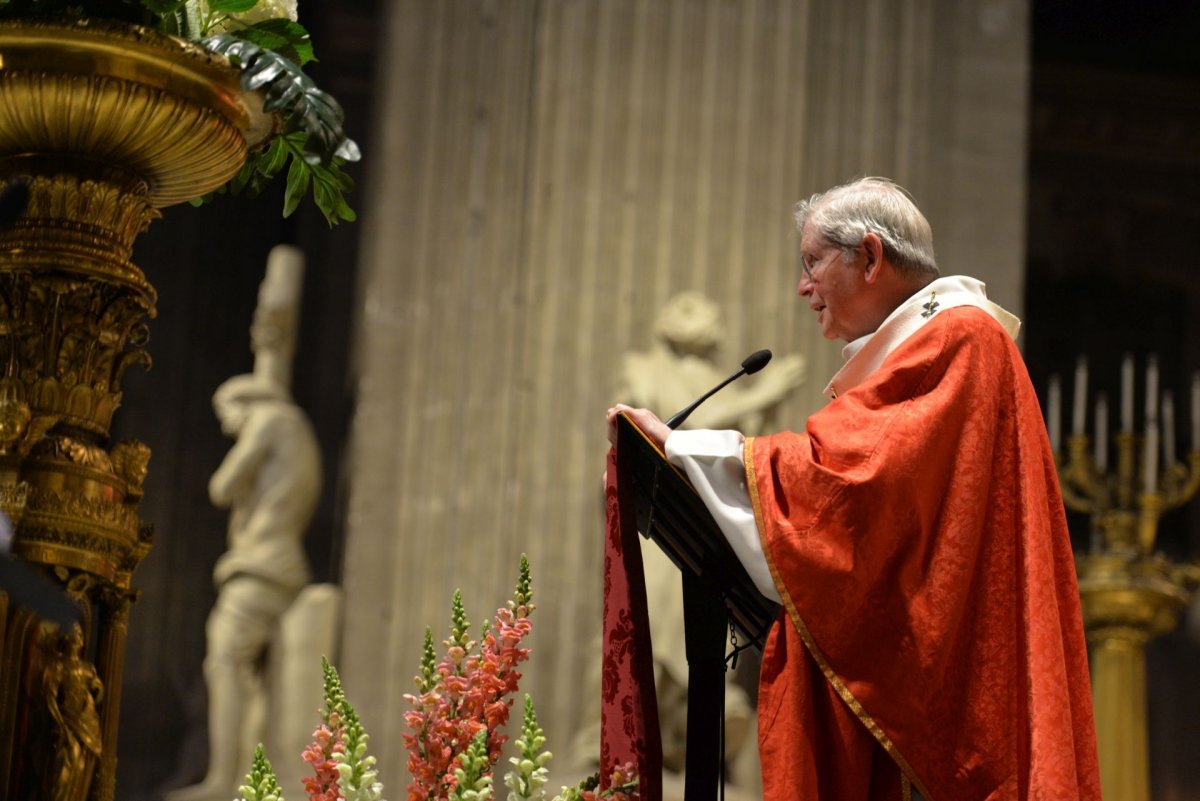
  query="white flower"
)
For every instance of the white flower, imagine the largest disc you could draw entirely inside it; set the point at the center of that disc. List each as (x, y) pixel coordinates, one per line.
(263, 11)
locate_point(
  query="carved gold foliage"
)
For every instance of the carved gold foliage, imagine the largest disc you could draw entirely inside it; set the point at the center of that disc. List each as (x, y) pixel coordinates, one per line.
(131, 461)
(13, 498)
(105, 514)
(67, 342)
(107, 210)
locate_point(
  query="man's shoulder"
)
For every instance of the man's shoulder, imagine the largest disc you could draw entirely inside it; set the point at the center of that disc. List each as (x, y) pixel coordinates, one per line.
(969, 323)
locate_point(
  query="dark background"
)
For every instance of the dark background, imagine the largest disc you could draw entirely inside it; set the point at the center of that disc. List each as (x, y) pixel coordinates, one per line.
(1114, 166)
(1114, 163)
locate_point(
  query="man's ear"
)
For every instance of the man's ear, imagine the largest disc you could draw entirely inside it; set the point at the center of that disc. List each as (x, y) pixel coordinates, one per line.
(872, 247)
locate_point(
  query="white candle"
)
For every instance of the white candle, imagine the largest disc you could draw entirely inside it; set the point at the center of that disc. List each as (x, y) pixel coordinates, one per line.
(1196, 412)
(1168, 418)
(1079, 406)
(1101, 453)
(1127, 394)
(1150, 471)
(1152, 390)
(1054, 414)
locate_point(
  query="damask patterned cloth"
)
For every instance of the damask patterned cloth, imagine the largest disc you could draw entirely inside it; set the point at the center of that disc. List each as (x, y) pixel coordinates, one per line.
(931, 636)
(629, 730)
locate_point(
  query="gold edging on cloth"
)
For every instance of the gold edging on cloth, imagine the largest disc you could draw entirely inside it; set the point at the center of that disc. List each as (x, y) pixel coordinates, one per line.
(805, 635)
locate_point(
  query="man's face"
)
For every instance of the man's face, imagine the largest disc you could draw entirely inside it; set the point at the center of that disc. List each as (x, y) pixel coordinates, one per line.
(834, 286)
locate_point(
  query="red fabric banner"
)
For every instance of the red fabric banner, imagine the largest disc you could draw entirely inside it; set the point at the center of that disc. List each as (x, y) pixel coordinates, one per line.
(629, 710)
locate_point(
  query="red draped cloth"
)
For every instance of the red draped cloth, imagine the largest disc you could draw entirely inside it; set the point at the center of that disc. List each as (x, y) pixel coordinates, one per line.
(931, 634)
(629, 711)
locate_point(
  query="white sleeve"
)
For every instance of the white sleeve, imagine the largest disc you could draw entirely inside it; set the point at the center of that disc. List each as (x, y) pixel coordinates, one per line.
(713, 463)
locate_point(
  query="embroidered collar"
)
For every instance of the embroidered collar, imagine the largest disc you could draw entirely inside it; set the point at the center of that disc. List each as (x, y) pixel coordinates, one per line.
(864, 355)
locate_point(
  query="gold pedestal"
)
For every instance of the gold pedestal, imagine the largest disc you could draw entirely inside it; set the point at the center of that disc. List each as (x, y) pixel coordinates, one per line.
(105, 125)
(1129, 595)
(1127, 601)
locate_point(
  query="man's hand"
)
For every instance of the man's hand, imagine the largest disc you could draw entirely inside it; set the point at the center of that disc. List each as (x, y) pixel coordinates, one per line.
(645, 419)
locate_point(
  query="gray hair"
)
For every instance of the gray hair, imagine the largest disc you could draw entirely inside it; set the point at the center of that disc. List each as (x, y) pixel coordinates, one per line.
(845, 214)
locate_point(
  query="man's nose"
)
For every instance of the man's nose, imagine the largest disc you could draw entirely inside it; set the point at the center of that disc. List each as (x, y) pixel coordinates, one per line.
(805, 287)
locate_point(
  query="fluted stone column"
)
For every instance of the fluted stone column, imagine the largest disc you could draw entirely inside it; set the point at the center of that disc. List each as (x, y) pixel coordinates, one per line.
(548, 174)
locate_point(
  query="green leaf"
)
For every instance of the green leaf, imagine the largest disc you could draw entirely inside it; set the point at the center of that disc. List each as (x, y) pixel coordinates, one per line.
(275, 158)
(232, 6)
(286, 37)
(290, 91)
(243, 176)
(299, 176)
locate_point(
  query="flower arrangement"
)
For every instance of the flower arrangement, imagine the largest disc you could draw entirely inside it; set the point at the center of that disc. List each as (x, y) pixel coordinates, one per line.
(263, 39)
(455, 734)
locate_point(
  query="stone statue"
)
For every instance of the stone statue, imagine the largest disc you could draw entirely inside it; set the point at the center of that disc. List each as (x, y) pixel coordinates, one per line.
(270, 481)
(72, 689)
(677, 369)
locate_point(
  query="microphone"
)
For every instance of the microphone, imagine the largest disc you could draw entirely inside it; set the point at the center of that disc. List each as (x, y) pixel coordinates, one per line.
(751, 364)
(13, 199)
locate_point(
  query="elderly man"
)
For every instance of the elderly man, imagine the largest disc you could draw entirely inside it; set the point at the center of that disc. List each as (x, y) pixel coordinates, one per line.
(930, 643)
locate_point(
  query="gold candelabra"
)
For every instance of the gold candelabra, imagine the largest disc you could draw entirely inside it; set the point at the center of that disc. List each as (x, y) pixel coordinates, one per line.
(104, 125)
(1129, 593)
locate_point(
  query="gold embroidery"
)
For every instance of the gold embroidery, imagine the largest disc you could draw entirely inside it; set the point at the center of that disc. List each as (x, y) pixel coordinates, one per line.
(909, 776)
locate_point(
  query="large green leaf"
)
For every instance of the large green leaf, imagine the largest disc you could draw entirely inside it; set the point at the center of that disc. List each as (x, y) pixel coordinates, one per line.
(232, 6)
(290, 91)
(286, 37)
(313, 142)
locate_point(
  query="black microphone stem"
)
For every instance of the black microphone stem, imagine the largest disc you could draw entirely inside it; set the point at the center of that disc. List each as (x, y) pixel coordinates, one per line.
(751, 364)
(681, 415)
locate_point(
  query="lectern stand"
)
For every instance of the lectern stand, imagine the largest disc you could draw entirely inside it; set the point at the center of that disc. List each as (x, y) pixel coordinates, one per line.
(717, 592)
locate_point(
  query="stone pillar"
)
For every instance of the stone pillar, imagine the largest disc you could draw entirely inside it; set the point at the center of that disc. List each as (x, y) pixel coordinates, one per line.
(550, 174)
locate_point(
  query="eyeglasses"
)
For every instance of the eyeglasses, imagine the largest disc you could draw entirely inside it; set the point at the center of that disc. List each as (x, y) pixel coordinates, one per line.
(810, 265)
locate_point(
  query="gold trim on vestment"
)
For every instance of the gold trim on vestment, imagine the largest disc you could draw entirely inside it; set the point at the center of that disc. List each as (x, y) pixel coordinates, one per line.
(908, 774)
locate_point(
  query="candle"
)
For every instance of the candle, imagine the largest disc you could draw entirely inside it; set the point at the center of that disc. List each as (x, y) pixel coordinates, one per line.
(1150, 471)
(1127, 394)
(1168, 418)
(1152, 390)
(1101, 453)
(1196, 412)
(1079, 407)
(1053, 415)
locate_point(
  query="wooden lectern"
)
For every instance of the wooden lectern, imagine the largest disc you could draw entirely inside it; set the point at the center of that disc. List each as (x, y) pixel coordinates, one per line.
(717, 592)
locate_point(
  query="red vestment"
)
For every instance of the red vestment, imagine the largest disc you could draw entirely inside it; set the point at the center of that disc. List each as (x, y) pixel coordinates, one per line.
(931, 627)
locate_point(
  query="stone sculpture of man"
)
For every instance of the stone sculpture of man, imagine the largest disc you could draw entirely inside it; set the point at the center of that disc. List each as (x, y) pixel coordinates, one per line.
(270, 481)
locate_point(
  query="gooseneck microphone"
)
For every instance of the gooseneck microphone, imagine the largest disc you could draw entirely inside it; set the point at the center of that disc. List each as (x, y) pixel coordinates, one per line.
(751, 364)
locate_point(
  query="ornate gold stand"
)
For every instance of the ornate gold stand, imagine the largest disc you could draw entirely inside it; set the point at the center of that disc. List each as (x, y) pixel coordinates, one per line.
(106, 125)
(1129, 594)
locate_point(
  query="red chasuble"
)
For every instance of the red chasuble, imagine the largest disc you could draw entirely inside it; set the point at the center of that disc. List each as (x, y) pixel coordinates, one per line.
(931, 633)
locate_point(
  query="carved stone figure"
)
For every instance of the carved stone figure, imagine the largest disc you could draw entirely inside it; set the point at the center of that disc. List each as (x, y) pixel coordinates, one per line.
(270, 481)
(679, 367)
